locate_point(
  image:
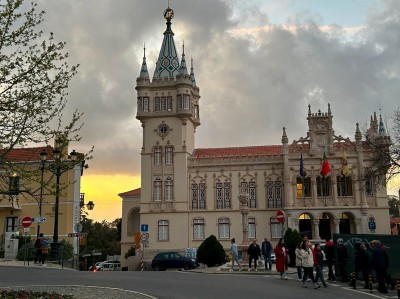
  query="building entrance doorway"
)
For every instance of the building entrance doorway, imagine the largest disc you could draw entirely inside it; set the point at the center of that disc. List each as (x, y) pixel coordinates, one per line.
(305, 228)
(325, 227)
(344, 224)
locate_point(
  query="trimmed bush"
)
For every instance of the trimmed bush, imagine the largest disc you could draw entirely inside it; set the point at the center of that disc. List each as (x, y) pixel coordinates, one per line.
(211, 252)
(291, 239)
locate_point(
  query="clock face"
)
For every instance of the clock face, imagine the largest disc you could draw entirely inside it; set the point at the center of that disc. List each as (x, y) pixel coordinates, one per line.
(163, 130)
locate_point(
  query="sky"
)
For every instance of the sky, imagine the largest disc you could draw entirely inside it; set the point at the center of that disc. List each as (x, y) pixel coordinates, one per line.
(258, 63)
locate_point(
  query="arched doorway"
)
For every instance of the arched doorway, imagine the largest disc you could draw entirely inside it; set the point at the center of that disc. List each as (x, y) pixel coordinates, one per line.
(133, 223)
(325, 226)
(344, 224)
(305, 228)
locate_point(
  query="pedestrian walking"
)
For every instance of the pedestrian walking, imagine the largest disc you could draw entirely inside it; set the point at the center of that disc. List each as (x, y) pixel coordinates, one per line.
(235, 255)
(362, 263)
(299, 268)
(45, 249)
(342, 257)
(329, 250)
(38, 247)
(380, 263)
(254, 253)
(281, 254)
(319, 264)
(266, 250)
(307, 260)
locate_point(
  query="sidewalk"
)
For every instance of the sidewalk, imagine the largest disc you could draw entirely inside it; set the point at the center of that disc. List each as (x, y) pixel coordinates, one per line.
(17, 263)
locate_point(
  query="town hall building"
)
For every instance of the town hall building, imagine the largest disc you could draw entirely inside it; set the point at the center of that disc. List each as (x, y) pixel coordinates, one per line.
(189, 193)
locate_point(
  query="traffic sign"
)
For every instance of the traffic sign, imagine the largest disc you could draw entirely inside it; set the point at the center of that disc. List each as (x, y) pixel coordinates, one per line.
(77, 234)
(137, 245)
(144, 228)
(137, 236)
(280, 216)
(26, 221)
(144, 237)
(78, 227)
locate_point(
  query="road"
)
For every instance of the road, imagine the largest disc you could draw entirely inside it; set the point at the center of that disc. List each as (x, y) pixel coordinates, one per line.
(181, 284)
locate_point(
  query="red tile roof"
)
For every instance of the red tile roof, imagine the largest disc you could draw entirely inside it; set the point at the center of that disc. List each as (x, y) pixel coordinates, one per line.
(265, 150)
(28, 154)
(135, 192)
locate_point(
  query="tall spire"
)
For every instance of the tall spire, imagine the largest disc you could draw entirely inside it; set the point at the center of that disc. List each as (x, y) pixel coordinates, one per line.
(183, 69)
(382, 131)
(192, 73)
(168, 63)
(144, 74)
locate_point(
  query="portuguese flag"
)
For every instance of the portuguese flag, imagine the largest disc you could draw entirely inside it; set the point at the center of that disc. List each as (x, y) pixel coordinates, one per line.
(325, 169)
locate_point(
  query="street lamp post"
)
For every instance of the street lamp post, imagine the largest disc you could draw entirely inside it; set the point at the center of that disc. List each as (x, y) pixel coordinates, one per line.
(43, 156)
(58, 168)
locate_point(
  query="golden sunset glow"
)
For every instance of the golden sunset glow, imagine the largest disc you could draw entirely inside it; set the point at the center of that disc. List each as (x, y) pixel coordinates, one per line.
(103, 190)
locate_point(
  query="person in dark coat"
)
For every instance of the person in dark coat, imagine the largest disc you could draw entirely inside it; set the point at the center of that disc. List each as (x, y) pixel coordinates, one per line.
(281, 254)
(342, 257)
(329, 251)
(266, 250)
(380, 263)
(362, 262)
(254, 253)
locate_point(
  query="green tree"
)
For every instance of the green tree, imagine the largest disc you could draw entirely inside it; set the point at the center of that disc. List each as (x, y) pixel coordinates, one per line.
(211, 252)
(34, 77)
(393, 202)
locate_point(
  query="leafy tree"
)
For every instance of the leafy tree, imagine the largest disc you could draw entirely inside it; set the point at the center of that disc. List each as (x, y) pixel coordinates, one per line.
(291, 239)
(130, 252)
(211, 252)
(34, 77)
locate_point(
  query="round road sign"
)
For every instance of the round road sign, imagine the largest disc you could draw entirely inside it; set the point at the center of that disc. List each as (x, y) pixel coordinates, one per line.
(280, 216)
(26, 221)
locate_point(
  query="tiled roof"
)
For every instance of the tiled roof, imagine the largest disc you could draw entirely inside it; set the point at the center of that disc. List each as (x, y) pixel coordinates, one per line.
(135, 192)
(265, 150)
(31, 154)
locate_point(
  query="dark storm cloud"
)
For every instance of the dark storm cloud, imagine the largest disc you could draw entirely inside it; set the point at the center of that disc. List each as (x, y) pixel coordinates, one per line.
(251, 85)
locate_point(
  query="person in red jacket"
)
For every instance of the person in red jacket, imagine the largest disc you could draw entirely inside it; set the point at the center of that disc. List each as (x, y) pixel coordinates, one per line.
(281, 254)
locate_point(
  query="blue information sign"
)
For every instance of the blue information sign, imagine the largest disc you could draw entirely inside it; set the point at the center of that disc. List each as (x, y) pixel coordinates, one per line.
(144, 228)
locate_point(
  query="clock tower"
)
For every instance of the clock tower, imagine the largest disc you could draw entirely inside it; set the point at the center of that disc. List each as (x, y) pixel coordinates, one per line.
(168, 108)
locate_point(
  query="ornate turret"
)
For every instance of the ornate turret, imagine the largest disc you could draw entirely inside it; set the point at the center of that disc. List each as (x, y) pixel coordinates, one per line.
(320, 131)
(168, 62)
(192, 73)
(183, 69)
(144, 74)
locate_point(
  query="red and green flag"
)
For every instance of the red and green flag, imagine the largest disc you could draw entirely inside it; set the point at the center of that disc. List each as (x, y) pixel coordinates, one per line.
(325, 169)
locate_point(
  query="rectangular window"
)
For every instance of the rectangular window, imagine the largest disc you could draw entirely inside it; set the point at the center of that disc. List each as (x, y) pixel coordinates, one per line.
(179, 101)
(157, 104)
(163, 104)
(198, 229)
(139, 104)
(223, 228)
(157, 156)
(11, 224)
(169, 154)
(276, 228)
(186, 102)
(146, 104)
(368, 187)
(219, 196)
(344, 186)
(195, 194)
(227, 195)
(252, 227)
(196, 111)
(278, 194)
(169, 190)
(163, 228)
(169, 103)
(157, 190)
(303, 187)
(270, 193)
(323, 186)
(252, 195)
(202, 196)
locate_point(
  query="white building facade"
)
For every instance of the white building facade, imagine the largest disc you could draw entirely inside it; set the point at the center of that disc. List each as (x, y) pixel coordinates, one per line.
(190, 193)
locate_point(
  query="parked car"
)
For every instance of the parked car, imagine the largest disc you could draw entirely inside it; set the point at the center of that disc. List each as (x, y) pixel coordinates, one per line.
(166, 260)
(106, 266)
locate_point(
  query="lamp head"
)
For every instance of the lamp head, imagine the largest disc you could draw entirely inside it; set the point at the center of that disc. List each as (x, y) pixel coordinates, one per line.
(43, 155)
(90, 205)
(74, 155)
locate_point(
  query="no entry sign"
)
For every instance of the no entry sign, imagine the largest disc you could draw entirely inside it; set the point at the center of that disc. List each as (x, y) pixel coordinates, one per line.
(280, 216)
(26, 221)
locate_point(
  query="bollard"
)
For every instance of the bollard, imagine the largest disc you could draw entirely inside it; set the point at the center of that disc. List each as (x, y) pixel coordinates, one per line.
(398, 289)
(370, 283)
(353, 280)
(141, 265)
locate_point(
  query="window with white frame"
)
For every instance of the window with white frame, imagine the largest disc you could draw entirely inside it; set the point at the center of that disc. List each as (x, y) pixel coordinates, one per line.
(196, 111)
(169, 189)
(252, 227)
(276, 228)
(163, 230)
(169, 155)
(223, 228)
(157, 189)
(146, 104)
(223, 195)
(157, 156)
(186, 102)
(169, 103)
(198, 229)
